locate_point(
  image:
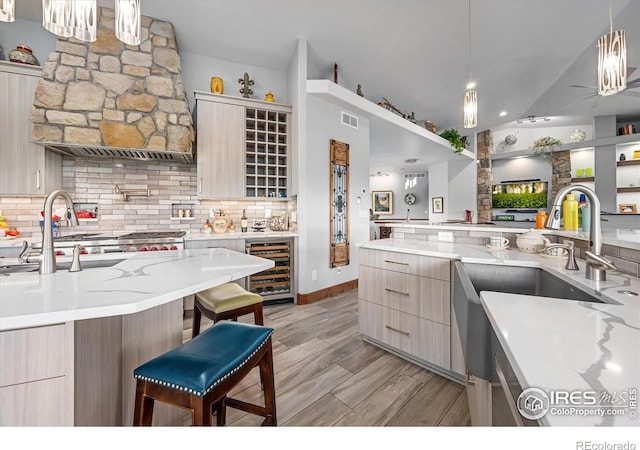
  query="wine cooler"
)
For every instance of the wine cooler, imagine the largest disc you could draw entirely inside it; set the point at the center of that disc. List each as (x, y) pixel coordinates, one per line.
(276, 285)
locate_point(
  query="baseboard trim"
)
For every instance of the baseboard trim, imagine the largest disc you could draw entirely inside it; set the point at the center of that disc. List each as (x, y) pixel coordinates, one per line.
(331, 291)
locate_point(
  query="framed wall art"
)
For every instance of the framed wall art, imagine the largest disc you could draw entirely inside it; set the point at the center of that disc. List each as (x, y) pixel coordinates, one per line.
(382, 202)
(437, 205)
(629, 208)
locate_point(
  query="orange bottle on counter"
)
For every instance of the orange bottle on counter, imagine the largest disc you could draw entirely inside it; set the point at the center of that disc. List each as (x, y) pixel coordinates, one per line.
(541, 218)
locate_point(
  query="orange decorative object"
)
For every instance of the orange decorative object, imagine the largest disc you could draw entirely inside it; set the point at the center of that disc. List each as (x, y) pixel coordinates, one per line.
(217, 86)
(541, 218)
(269, 97)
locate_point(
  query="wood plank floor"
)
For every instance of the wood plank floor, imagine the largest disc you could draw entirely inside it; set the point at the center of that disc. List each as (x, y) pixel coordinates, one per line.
(326, 375)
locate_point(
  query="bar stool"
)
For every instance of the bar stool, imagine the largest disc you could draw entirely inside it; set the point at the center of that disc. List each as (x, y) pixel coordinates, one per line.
(224, 302)
(198, 374)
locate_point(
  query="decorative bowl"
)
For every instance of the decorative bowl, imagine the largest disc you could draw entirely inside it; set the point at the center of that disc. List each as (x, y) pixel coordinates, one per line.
(23, 55)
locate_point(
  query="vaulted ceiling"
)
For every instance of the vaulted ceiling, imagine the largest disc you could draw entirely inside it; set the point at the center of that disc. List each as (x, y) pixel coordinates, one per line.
(525, 55)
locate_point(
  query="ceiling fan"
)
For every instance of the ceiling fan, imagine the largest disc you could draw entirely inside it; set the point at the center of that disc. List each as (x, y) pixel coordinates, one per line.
(633, 84)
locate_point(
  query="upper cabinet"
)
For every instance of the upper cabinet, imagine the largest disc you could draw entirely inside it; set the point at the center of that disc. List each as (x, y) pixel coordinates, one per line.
(243, 147)
(27, 168)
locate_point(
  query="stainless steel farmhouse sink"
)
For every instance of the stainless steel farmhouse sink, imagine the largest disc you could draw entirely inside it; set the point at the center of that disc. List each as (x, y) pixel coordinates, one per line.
(474, 327)
(29, 268)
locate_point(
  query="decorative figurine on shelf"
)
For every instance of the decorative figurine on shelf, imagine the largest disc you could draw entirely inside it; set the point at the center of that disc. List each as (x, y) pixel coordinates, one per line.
(335, 73)
(245, 90)
(412, 117)
(217, 86)
(269, 97)
(622, 157)
(430, 126)
(359, 91)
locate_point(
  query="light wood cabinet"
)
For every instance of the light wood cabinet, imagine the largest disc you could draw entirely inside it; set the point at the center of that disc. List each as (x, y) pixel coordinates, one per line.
(243, 148)
(27, 168)
(36, 376)
(405, 306)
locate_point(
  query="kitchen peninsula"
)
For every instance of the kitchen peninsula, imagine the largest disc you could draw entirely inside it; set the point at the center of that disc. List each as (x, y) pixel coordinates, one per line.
(551, 344)
(68, 341)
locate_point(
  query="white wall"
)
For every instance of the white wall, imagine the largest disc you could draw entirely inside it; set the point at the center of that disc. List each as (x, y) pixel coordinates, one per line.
(197, 71)
(31, 34)
(462, 194)
(323, 124)
(395, 183)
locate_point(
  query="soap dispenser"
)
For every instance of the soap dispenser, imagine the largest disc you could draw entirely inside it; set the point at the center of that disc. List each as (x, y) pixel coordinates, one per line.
(570, 213)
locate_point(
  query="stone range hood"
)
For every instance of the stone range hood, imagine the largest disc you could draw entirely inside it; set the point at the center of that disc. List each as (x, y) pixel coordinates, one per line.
(110, 99)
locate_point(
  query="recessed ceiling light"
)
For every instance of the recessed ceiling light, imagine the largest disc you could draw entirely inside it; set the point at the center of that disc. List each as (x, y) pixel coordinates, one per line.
(411, 161)
(503, 113)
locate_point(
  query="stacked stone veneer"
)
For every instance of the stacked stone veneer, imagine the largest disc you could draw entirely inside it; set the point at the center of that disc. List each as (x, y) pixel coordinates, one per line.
(107, 93)
(485, 176)
(560, 171)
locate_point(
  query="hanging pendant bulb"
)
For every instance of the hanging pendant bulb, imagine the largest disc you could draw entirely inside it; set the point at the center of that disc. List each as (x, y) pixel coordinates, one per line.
(612, 63)
(612, 60)
(7, 10)
(128, 21)
(470, 108)
(84, 20)
(57, 17)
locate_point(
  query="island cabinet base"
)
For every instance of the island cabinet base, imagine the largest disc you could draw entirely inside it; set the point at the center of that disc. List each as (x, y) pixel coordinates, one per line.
(36, 376)
(107, 350)
(81, 373)
(404, 305)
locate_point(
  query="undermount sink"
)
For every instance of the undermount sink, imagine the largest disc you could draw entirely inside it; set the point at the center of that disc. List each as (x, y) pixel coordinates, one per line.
(29, 268)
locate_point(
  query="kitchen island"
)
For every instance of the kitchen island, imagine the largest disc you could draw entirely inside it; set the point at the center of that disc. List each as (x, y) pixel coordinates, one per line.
(69, 341)
(552, 344)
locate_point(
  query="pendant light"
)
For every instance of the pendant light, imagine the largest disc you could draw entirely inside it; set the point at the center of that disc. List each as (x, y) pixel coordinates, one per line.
(612, 60)
(128, 21)
(471, 95)
(84, 20)
(57, 17)
(7, 10)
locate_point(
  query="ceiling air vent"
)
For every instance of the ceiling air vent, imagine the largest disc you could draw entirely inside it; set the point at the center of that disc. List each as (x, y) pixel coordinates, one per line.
(349, 120)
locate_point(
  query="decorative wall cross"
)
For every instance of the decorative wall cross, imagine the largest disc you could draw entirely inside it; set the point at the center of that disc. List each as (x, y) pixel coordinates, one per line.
(245, 90)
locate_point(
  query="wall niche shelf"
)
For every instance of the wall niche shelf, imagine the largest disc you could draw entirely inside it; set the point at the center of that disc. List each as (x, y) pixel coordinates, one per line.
(583, 179)
(182, 211)
(86, 212)
(633, 162)
(628, 189)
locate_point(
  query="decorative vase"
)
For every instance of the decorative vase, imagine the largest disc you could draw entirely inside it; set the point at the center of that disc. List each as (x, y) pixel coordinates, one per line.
(217, 85)
(622, 157)
(430, 126)
(22, 54)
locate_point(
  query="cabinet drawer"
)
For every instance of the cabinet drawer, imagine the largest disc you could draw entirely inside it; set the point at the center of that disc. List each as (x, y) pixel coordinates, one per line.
(36, 404)
(420, 296)
(426, 266)
(32, 354)
(421, 338)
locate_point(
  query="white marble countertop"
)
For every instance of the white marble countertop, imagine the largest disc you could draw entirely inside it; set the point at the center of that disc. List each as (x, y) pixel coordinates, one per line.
(556, 344)
(141, 281)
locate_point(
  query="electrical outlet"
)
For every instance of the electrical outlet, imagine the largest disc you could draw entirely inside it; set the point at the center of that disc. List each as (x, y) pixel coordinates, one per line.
(339, 270)
(445, 236)
(314, 275)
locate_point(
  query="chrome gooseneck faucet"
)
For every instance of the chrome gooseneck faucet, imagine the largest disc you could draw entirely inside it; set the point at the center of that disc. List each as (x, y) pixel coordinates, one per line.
(597, 265)
(47, 257)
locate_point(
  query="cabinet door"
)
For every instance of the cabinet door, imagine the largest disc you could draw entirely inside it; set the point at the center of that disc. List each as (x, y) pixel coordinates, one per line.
(22, 169)
(220, 147)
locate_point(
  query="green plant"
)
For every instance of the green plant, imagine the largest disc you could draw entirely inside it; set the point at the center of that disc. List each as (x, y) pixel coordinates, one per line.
(545, 147)
(457, 142)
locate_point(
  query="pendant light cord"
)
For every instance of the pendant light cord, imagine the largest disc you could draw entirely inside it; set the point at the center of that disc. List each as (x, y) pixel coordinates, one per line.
(610, 17)
(469, 41)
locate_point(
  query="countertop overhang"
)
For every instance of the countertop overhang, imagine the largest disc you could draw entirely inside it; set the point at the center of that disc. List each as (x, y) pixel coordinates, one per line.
(140, 282)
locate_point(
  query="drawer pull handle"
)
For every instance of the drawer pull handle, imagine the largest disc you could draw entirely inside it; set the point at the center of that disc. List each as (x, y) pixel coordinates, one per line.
(396, 262)
(396, 292)
(396, 330)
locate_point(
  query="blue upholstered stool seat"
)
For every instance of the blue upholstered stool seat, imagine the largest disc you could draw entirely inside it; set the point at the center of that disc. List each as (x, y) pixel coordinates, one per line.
(199, 365)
